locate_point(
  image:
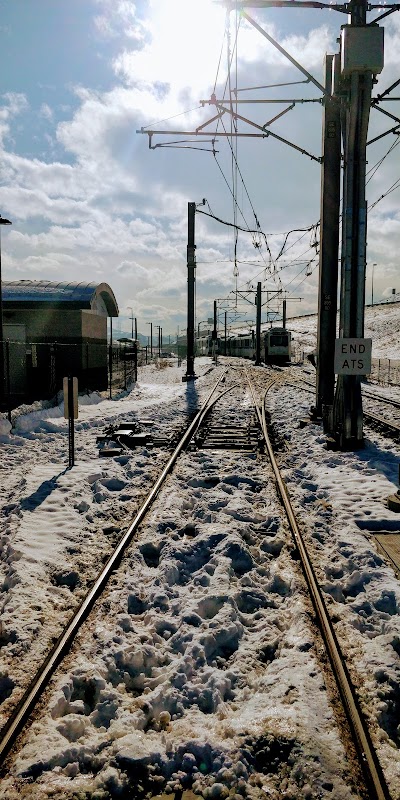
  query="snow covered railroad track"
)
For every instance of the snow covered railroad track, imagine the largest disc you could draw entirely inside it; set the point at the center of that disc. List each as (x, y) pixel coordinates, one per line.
(200, 668)
(19, 716)
(368, 761)
(390, 427)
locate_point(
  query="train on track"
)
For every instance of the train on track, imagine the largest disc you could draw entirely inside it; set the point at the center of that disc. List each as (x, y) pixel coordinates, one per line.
(275, 346)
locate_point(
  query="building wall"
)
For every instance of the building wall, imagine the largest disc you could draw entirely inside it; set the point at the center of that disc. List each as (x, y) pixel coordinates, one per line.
(59, 342)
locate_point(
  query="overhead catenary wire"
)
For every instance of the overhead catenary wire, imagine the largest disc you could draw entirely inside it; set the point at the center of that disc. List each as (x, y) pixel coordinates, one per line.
(372, 171)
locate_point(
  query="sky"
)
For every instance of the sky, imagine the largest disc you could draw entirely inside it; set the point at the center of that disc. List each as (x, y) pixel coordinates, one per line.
(90, 201)
(199, 666)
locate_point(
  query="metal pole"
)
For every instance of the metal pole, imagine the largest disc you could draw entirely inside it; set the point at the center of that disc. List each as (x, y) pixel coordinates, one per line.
(151, 340)
(215, 328)
(135, 367)
(225, 334)
(159, 341)
(284, 314)
(9, 380)
(372, 284)
(329, 245)
(135, 328)
(2, 375)
(71, 424)
(87, 367)
(110, 358)
(191, 266)
(258, 325)
(348, 410)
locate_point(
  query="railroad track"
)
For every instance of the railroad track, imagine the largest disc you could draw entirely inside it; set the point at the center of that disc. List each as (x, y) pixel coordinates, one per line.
(214, 435)
(20, 716)
(368, 759)
(388, 427)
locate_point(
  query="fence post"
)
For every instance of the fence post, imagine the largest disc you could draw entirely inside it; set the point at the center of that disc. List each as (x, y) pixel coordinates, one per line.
(125, 366)
(389, 371)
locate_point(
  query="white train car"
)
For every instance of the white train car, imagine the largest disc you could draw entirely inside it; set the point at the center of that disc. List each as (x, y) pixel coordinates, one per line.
(242, 346)
(277, 342)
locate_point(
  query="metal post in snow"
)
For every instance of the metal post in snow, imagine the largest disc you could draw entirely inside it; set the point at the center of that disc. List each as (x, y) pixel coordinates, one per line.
(191, 271)
(258, 325)
(8, 380)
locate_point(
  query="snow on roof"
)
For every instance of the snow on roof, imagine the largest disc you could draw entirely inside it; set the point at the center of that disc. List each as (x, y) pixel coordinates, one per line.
(76, 295)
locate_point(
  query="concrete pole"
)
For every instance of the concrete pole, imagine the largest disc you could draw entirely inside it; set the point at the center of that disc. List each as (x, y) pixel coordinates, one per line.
(191, 266)
(329, 245)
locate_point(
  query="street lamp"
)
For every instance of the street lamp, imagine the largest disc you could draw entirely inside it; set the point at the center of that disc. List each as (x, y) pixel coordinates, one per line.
(3, 221)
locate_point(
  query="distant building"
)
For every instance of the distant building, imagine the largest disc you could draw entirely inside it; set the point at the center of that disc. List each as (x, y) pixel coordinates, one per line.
(55, 329)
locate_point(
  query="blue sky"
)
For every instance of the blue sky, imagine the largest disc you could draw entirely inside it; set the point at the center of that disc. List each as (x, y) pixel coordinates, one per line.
(90, 201)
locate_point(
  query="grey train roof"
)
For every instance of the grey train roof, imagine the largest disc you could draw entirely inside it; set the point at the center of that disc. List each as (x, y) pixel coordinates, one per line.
(33, 294)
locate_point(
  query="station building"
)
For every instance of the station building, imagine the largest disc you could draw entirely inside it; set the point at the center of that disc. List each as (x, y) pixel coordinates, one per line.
(55, 329)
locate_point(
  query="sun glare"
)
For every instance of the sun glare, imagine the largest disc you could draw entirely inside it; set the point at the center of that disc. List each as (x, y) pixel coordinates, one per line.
(187, 39)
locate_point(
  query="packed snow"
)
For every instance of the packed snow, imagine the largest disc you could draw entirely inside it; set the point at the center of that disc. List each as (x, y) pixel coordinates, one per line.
(197, 671)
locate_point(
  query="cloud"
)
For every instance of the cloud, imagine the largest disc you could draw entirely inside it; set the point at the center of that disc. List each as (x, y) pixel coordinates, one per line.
(13, 104)
(109, 208)
(46, 112)
(120, 18)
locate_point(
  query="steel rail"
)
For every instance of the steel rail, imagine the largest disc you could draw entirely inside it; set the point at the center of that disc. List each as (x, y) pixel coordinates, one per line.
(380, 399)
(390, 426)
(368, 760)
(15, 723)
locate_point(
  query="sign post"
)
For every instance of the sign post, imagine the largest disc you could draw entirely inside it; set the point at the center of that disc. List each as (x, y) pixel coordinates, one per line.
(353, 356)
(70, 386)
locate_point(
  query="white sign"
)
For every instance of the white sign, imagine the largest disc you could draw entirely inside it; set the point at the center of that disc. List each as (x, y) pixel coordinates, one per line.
(353, 356)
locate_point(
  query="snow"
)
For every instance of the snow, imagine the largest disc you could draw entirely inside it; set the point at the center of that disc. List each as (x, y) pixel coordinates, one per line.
(197, 669)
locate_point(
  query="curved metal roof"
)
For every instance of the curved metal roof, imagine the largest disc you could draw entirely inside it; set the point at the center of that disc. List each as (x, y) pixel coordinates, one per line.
(32, 294)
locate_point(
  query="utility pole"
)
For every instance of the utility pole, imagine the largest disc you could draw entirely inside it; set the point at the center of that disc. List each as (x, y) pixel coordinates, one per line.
(225, 312)
(258, 325)
(215, 332)
(159, 340)
(329, 244)
(361, 59)
(191, 266)
(3, 221)
(151, 339)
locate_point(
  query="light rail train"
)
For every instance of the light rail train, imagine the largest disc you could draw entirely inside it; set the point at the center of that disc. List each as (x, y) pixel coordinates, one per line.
(275, 346)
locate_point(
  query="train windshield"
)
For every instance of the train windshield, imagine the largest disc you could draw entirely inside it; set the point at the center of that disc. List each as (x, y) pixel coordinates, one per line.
(278, 339)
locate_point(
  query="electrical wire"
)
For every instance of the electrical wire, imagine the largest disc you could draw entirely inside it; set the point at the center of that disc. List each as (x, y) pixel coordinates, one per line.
(376, 166)
(395, 185)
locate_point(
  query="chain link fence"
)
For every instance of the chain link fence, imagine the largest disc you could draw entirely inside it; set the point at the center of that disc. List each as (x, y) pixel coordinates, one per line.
(385, 371)
(35, 370)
